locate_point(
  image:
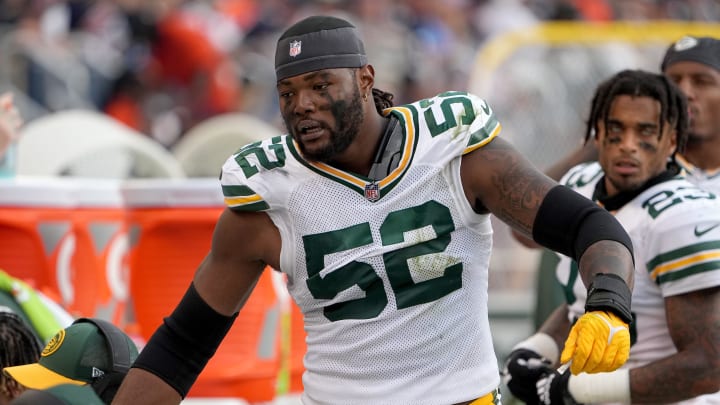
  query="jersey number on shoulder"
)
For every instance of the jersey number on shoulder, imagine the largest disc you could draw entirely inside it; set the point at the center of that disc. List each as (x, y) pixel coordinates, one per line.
(261, 154)
(666, 199)
(392, 231)
(451, 97)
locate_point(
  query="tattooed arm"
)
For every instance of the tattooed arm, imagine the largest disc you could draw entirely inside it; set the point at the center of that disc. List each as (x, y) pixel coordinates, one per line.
(498, 179)
(694, 323)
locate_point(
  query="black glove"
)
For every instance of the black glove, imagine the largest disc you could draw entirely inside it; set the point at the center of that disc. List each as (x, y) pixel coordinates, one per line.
(522, 371)
(552, 388)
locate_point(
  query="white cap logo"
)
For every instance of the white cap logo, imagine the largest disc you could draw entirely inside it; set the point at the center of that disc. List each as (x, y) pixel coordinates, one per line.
(96, 372)
(295, 48)
(685, 43)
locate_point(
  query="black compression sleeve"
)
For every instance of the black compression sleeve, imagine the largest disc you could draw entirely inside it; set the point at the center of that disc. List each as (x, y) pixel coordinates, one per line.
(181, 347)
(568, 223)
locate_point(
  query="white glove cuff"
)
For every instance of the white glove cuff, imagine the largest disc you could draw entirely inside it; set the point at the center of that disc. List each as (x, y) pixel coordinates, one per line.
(601, 387)
(542, 344)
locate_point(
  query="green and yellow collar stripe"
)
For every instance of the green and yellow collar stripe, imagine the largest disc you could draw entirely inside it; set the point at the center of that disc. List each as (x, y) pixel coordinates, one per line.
(333, 172)
(407, 150)
(358, 182)
(692, 169)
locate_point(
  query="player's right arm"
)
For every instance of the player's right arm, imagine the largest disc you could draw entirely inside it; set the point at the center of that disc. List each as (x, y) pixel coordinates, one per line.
(242, 244)
(498, 179)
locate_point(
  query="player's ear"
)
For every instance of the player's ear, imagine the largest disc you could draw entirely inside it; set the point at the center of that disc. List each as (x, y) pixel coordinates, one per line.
(366, 78)
(673, 141)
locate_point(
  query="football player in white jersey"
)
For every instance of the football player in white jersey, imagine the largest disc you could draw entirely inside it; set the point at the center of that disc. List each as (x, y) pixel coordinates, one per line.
(693, 63)
(638, 120)
(379, 217)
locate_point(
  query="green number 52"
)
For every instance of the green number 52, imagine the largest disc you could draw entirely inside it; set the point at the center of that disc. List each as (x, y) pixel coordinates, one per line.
(397, 263)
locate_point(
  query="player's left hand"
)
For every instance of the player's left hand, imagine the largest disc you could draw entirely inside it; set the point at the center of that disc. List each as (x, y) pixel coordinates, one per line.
(598, 342)
(552, 389)
(522, 370)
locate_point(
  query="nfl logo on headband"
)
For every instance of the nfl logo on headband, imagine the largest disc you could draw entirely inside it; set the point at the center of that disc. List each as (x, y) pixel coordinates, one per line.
(329, 43)
(295, 48)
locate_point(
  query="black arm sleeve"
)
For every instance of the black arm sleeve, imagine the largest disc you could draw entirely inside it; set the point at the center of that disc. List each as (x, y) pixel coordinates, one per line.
(181, 347)
(568, 223)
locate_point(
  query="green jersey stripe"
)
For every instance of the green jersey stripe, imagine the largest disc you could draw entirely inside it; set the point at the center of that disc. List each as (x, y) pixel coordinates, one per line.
(688, 271)
(251, 207)
(483, 133)
(685, 251)
(243, 198)
(237, 191)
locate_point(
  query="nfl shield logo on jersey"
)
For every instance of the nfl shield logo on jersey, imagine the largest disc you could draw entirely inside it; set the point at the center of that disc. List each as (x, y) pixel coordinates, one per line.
(372, 192)
(295, 48)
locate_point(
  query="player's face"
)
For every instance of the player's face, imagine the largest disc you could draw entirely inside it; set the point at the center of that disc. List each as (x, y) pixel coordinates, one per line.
(701, 85)
(631, 148)
(322, 111)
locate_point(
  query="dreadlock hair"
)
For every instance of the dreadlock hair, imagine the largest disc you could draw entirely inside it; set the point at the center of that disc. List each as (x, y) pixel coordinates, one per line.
(639, 83)
(18, 344)
(382, 99)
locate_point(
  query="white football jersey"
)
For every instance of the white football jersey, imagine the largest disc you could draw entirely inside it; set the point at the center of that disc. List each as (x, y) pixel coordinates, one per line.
(675, 231)
(706, 179)
(393, 292)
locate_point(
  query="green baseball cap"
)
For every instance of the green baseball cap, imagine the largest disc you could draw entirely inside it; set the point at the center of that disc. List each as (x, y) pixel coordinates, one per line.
(64, 394)
(78, 355)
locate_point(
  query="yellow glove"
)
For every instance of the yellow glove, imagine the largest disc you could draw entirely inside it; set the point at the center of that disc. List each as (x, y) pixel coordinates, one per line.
(598, 342)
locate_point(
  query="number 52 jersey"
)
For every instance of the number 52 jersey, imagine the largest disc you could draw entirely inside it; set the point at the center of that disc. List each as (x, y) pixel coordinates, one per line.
(390, 274)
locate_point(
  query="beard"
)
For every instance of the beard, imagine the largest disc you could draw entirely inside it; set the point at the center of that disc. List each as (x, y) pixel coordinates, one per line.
(625, 184)
(695, 138)
(348, 115)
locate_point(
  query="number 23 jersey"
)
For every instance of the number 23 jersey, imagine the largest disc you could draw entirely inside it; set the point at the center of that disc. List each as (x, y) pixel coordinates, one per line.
(390, 274)
(675, 230)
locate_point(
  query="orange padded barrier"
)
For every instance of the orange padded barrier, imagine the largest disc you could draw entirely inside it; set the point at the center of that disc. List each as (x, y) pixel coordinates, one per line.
(38, 237)
(298, 347)
(170, 227)
(101, 250)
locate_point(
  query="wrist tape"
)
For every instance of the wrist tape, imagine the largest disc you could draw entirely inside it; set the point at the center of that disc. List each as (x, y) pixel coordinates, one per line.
(542, 344)
(609, 292)
(601, 387)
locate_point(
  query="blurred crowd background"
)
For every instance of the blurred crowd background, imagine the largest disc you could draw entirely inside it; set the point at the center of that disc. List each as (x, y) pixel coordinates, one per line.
(162, 66)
